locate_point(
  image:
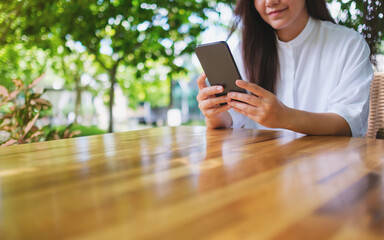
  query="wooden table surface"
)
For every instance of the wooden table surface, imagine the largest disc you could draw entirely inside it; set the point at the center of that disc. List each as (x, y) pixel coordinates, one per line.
(193, 183)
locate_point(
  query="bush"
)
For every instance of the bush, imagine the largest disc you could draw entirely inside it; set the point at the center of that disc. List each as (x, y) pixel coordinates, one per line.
(19, 112)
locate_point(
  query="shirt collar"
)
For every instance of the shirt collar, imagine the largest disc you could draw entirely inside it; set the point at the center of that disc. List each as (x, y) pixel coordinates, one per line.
(301, 37)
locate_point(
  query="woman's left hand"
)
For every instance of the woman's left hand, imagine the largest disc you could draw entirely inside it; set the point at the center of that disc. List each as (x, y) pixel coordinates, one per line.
(262, 106)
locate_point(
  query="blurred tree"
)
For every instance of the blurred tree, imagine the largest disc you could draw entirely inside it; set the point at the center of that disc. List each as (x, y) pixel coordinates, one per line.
(9, 17)
(135, 33)
(77, 67)
(20, 62)
(23, 53)
(131, 33)
(365, 16)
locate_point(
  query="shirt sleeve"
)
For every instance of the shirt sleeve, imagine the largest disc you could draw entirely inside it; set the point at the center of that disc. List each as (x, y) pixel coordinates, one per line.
(350, 98)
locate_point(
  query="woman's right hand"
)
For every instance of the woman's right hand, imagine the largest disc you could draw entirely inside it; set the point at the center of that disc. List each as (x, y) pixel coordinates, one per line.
(216, 115)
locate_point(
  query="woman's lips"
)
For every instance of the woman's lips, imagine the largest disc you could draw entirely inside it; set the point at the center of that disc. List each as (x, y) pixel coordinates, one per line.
(277, 12)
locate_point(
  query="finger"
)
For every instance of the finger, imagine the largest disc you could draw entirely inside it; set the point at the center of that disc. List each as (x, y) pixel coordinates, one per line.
(246, 108)
(209, 91)
(211, 102)
(253, 88)
(240, 111)
(201, 81)
(248, 115)
(214, 111)
(248, 98)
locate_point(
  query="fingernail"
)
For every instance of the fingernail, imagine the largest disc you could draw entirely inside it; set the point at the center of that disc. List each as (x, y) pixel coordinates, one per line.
(219, 88)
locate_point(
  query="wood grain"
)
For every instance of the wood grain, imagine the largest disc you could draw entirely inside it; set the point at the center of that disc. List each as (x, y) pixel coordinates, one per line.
(193, 183)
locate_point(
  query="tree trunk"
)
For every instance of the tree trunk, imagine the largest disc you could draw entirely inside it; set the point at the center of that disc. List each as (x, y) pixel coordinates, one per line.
(112, 77)
(171, 94)
(78, 99)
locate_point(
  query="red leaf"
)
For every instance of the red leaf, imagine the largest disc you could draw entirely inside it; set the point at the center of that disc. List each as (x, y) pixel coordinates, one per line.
(74, 133)
(43, 102)
(13, 94)
(6, 128)
(37, 134)
(5, 122)
(18, 83)
(9, 143)
(36, 81)
(3, 91)
(66, 133)
(30, 125)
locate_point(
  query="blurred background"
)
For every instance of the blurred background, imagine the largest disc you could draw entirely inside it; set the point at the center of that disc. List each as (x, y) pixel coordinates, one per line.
(74, 68)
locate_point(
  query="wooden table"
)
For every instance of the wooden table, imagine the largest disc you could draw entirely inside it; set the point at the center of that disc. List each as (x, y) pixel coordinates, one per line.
(193, 183)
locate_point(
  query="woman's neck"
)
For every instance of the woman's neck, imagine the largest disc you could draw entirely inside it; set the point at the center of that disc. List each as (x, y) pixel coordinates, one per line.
(290, 33)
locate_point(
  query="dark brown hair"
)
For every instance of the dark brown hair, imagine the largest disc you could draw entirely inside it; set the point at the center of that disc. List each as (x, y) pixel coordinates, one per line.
(259, 41)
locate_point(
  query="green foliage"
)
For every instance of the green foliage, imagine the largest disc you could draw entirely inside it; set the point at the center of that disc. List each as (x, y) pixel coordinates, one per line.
(87, 130)
(16, 61)
(57, 133)
(153, 88)
(136, 35)
(70, 131)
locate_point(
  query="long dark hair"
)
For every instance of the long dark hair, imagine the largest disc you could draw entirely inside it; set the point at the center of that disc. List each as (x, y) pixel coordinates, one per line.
(259, 41)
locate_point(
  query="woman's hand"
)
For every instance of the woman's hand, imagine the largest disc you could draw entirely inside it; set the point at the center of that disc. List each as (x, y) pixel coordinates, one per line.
(215, 114)
(263, 107)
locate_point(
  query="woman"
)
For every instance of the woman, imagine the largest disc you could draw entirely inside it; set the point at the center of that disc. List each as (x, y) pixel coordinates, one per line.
(304, 72)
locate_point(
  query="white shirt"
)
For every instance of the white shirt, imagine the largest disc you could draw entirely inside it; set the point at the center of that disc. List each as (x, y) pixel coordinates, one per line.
(326, 69)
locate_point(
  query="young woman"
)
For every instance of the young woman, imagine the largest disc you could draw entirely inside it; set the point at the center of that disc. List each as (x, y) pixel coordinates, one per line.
(304, 72)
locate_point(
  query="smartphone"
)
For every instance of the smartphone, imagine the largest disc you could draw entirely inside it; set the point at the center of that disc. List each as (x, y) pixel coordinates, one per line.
(219, 66)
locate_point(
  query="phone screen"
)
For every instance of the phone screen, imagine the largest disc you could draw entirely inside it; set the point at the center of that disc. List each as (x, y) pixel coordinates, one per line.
(219, 66)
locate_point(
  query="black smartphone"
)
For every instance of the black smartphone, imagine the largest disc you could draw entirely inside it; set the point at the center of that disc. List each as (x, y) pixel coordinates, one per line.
(219, 66)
